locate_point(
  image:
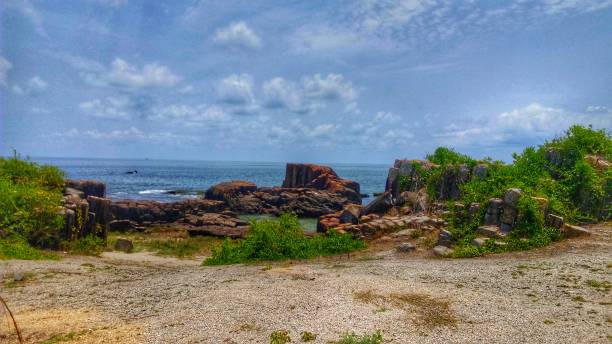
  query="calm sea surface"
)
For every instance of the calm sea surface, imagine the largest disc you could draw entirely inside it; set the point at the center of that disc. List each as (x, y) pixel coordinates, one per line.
(157, 179)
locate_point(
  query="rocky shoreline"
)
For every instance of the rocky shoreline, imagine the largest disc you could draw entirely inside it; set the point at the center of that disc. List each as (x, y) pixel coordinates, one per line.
(308, 190)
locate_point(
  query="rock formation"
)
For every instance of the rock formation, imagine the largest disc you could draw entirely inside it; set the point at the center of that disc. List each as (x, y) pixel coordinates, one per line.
(86, 211)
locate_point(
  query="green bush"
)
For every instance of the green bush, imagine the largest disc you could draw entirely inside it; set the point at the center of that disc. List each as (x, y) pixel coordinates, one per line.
(278, 240)
(15, 247)
(30, 198)
(88, 245)
(556, 171)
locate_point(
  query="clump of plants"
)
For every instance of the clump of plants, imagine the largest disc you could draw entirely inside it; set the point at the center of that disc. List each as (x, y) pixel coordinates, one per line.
(280, 239)
(352, 338)
(30, 198)
(560, 172)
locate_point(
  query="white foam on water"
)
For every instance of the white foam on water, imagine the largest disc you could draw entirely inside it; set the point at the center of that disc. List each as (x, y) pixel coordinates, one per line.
(152, 192)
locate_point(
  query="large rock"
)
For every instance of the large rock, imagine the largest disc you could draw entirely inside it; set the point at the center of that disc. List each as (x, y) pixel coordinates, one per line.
(88, 187)
(351, 214)
(571, 231)
(124, 245)
(227, 190)
(493, 213)
(320, 178)
(448, 186)
(101, 208)
(152, 212)
(380, 204)
(509, 209)
(412, 171)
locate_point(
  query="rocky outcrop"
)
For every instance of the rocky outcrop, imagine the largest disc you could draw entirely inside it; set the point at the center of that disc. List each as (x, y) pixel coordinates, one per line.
(308, 190)
(84, 213)
(320, 178)
(493, 213)
(452, 177)
(412, 171)
(509, 209)
(88, 187)
(381, 204)
(228, 190)
(213, 224)
(146, 213)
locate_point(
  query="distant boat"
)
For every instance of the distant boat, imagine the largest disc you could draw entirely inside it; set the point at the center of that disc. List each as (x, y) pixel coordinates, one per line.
(131, 172)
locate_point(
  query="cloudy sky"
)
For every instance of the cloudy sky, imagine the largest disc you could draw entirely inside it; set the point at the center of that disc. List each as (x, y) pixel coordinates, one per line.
(322, 81)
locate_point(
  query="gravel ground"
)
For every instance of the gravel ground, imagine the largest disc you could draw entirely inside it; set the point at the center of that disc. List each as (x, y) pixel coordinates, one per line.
(541, 296)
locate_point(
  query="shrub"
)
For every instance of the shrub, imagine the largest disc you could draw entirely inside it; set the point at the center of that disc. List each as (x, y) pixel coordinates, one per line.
(278, 240)
(557, 171)
(30, 197)
(15, 247)
(88, 245)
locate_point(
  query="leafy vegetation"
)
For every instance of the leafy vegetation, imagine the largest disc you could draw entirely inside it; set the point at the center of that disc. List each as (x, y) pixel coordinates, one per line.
(352, 338)
(281, 239)
(88, 245)
(30, 197)
(280, 337)
(16, 247)
(556, 175)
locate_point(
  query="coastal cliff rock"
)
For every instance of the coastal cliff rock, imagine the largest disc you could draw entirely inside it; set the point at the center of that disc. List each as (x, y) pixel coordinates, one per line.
(308, 190)
(321, 178)
(223, 191)
(88, 187)
(412, 170)
(84, 213)
(145, 213)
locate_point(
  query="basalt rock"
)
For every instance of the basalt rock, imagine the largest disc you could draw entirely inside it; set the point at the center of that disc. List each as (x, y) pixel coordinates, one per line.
(227, 190)
(380, 204)
(509, 209)
(448, 186)
(409, 169)
(320, 178)
(88, 187)
(152, 212)
(493, 212)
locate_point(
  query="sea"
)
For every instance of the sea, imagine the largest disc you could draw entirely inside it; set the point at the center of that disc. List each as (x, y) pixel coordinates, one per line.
(173, 180)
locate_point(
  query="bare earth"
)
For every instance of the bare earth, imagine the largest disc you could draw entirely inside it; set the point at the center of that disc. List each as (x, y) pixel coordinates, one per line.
(541, 296)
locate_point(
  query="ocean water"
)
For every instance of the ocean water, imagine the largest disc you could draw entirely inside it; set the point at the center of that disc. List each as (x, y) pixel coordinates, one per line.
(168, 180)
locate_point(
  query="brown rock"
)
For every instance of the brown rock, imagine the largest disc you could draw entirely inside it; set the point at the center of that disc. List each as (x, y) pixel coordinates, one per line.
(88, 187)
(226, 190)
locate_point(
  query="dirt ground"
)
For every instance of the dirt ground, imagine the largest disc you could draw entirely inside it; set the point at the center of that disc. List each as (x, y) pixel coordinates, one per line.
(558, 294)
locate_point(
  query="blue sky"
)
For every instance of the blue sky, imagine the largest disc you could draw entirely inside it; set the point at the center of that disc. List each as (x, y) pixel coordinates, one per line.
(321, 81)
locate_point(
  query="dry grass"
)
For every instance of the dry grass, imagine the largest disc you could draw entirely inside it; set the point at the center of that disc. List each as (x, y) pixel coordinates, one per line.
(423, 310)
(69, 326)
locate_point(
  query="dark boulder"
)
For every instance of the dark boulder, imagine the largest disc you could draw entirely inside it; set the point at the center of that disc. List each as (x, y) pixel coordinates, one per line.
(88, 187)
(380, 204)
(226, 190)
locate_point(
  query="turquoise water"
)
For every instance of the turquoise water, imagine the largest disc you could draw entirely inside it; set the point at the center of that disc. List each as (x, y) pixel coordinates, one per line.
(157, 179)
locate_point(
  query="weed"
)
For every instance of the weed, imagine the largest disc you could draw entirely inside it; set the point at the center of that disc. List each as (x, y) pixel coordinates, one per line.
(599, 284)
(430, 312)
(579, 298)
(88, 245)
(308, 336)
(280, 337)
(16, 247)
(352, 338)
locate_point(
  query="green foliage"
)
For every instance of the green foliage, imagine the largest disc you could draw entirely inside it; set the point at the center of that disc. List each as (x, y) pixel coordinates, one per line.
(280, 337)
(15, 247)
(278, 240)
(30, 197)
(447, 156)
(556, 171)
(352, 338)
(308, 336)
(88, 245)
(179, 247)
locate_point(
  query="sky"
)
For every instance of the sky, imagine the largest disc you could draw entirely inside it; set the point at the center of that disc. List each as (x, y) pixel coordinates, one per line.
(318, 81)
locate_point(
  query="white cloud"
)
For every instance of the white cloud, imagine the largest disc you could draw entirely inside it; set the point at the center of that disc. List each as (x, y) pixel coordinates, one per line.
(186, 115)
(108, 108)
(131, 134)
(385, 116)
(235, 89)
(28, 10)
(189, 89)
(239, 35)
(331, 88)
(282, 94)
(5, 66)
(33, 87)
(150, 75)
(532, 122)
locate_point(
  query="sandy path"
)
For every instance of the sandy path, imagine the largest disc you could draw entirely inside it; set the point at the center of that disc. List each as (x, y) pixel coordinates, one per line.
(513, 298)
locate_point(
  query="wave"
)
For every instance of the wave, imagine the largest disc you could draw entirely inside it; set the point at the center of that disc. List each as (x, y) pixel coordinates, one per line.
(154, 192)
